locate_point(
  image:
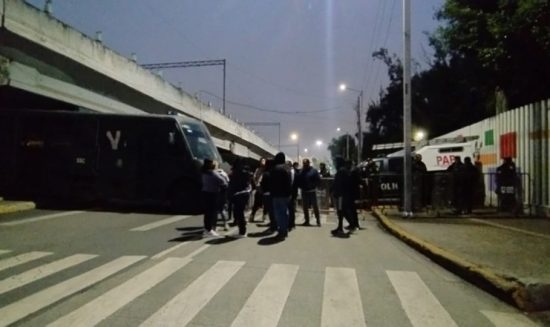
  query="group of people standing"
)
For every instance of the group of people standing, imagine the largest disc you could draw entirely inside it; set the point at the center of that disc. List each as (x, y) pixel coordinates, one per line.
(465, 178)
(273, 185)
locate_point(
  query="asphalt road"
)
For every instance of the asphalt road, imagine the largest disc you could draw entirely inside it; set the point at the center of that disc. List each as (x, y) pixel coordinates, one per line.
(68, 268)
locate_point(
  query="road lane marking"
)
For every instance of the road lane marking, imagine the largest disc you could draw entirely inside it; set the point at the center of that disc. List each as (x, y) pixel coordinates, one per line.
(37, 273)
(184, 307)
(341, 299)
(265, 305)
(169, 250)
(21, 259)
(156, 224)
(421, 306)
(505, 319)
(26, 306)
(105, 305)
(197, 251)
(40, 218)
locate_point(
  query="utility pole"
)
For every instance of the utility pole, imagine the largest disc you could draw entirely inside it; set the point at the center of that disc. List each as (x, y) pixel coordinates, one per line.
(359, 128)
(407, 177)
(195, 63)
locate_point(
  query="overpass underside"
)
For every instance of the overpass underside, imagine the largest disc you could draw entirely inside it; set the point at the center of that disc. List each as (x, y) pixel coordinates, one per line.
(48, 65)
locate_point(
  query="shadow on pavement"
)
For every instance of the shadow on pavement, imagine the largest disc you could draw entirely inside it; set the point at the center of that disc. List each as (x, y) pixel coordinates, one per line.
(266, 232)
(270, 240)
(191, 229)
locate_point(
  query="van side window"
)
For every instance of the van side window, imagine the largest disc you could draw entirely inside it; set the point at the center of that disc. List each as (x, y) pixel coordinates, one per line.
(395, 165)
(453, 149)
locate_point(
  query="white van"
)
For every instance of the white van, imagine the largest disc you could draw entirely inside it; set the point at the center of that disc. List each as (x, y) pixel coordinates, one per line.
(441, 156)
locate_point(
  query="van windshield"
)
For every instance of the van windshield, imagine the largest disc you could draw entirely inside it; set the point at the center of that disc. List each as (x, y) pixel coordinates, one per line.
(199, 141)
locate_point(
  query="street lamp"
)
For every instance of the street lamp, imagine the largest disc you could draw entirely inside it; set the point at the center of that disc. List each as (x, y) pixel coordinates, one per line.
(419, 135)
(294, 137)
(344, 87)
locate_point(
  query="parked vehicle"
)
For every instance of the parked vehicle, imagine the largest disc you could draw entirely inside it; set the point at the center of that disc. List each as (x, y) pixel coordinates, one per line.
(74, 156)
(439, 157)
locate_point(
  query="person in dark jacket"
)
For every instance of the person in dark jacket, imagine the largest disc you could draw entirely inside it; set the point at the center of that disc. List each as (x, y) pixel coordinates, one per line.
(212, 183)
(456, 170)
(266, 195)
(356, 183)
(294, 171)
(240, 185)
(308, 181)
(340, 192)
(281, 190)
(470, 175)
(506, 177)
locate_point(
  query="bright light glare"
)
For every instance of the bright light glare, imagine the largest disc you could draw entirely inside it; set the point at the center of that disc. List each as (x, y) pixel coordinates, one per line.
(419, 135)
(319, 142)
(294, 136)
(338, 129)
(343, 87)
(306, 150)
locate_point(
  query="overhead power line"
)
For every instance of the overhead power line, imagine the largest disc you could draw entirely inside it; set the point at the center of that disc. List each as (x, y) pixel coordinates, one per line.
(195, 63)
(272, 110)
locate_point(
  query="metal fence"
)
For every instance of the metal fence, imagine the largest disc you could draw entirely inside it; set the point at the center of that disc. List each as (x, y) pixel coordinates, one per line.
(443, 192)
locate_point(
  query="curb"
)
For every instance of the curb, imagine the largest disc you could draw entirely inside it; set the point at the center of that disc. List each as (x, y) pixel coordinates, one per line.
(509, 289)
(11, 207)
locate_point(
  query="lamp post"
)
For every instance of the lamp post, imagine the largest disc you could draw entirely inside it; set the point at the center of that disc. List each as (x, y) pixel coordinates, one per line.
(407, 160)
(344, 87)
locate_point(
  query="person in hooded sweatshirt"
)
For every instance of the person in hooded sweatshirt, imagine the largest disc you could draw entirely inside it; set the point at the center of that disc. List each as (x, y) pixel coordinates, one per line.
(212, 183)
(281, 191)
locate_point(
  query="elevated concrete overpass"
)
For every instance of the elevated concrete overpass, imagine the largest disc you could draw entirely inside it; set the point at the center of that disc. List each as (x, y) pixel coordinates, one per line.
(47, 64)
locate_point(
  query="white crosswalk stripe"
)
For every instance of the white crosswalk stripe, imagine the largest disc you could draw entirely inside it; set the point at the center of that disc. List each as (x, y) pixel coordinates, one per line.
(341, 299)
(160, 223)
(341, 303)
(420, 305)
(505, 319)
(105, 305)
(21, 259)
(43, 271)
(183, 307)
(265, 305)
(22, 308)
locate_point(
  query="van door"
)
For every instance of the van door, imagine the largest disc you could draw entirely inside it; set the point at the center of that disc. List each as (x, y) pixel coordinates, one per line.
(118, 143)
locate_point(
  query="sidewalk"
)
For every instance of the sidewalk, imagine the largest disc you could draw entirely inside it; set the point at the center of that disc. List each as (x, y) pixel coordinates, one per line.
(15, 206)
(508, 257)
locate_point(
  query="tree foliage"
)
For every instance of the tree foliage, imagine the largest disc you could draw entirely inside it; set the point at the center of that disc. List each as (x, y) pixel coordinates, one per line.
(343, 146)
(510, 39)
(481, 47)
